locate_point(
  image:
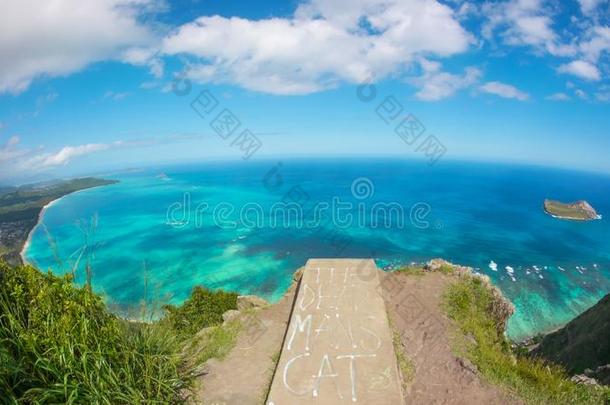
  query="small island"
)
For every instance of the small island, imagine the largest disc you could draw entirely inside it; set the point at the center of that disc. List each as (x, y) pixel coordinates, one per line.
(579, 210)
(21, 207)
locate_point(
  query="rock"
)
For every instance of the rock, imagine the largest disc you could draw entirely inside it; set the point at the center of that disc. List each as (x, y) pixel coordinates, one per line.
(296, 277)
(245, 302)
(579, 210)
(230, 315)
(583, 379)
(601, 374)
(200, 370)
(447, 267)
(467, 365)
(501, 308)
(435, 264)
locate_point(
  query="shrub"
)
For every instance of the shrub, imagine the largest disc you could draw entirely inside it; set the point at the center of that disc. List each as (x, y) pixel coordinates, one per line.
(59, 344)
(202, 309)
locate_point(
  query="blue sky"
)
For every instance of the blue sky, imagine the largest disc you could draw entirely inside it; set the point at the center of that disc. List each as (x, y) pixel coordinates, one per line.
(87, 86)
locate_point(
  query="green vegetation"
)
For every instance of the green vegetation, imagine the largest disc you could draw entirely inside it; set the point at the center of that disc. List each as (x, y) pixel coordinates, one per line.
(59, 344)
(446, 268)
(580, 210)
(584, 343)
(20, 207)
(22, 202)
(406, 366)
(214, 342)
(469, 303)
(418, 270)
(275, 358)
(202, 309)
(412, 270)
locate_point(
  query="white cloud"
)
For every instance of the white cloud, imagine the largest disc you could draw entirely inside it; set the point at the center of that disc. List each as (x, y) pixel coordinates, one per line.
(436, 85)
(69, 152)
(323, 44)
(15, 159)
(603, 93)
(56, 38)
(116, 96)
(597, 42)
(140, 56)
(14, 140)
(504, 90)
(10, 153)
(558, 97)
(524, 23)
(582, 69)
(532, 23)
(581, 94)
(588, 6)
(603, 96)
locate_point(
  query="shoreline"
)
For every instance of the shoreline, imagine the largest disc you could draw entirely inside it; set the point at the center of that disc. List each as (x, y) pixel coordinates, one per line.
(598, 217)
(27, 242)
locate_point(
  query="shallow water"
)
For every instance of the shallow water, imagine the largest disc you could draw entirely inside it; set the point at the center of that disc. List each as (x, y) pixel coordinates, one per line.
(478, 213)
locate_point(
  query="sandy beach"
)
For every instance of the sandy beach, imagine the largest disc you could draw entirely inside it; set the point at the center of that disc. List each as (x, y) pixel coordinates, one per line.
(29, 238)
(41, 215)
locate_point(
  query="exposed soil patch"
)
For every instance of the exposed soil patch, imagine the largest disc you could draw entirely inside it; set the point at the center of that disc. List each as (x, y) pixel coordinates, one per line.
(244, 376)
(413, 303)
(414, 307)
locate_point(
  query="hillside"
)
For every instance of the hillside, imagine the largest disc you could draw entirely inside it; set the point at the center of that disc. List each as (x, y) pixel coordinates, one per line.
(59, 343)
(584, 343)
(449, 338)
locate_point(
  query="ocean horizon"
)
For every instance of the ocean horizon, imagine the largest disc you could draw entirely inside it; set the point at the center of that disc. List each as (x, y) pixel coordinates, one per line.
(161, 231)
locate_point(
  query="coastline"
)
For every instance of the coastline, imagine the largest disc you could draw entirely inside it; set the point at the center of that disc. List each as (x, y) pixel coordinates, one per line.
(27, 242)
(598, 217)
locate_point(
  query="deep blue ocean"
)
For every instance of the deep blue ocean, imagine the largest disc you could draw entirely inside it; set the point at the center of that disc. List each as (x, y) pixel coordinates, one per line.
(161, 231)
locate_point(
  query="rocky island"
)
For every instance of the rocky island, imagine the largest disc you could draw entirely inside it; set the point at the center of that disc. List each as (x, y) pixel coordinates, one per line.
(579, 210)
(20, 208)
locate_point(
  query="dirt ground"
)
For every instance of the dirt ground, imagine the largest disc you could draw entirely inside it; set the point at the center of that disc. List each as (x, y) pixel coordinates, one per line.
(244, 376)
(413, 305)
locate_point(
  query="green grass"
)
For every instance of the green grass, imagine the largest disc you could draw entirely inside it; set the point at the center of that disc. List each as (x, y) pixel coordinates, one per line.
(563, 210)
(275, 358)
(406, 366)
(446, 269)
(412, 270)
(60, 344)
(468, 303)
(216, 342)
(202, 309)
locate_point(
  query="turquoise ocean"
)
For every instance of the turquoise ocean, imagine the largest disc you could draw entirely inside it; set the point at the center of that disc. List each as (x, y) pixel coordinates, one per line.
(161, 231)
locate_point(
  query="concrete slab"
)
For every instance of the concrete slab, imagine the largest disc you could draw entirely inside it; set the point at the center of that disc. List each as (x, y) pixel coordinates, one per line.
(338, 347)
